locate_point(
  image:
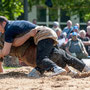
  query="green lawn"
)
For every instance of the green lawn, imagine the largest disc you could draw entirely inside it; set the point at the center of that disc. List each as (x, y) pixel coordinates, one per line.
(9, 67)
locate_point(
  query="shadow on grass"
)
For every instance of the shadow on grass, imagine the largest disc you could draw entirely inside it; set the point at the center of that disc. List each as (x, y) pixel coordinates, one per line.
(13, 74)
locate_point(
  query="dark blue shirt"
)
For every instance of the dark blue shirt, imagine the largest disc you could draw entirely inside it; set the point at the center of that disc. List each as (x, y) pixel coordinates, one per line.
(14, 28)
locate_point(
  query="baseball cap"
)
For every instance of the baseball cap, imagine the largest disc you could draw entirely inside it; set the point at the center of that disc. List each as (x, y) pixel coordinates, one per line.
(75, 27)
(74, 34)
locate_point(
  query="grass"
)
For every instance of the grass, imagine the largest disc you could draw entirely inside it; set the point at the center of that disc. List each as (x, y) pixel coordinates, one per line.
(9, 67)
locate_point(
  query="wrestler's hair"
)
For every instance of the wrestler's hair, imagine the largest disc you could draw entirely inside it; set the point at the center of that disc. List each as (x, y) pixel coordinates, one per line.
(2, 19)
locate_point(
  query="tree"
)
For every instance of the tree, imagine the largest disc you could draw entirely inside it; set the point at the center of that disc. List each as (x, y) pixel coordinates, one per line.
(79, 7)
(14, 8)
(11, 8)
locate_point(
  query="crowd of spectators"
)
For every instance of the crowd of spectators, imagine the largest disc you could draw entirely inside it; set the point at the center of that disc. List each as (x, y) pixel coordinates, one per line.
(74, 41)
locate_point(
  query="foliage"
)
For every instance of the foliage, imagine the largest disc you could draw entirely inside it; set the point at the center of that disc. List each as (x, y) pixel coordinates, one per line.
(5, 67)
(11, 8)
(36, 2)
(79, 7)
(14, 8)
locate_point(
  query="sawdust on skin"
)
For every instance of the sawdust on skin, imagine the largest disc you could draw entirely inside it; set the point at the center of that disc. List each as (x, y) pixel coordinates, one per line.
(16, 79)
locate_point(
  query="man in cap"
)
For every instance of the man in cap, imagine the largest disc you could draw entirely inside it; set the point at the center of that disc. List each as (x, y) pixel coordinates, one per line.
(76, 47)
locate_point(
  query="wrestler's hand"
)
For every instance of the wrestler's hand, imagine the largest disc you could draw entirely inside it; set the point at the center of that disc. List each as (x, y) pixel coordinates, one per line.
(33, 32)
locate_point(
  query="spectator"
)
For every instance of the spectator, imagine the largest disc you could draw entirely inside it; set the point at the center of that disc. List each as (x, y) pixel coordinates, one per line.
(56, 28)
(75, 47)
(88, 32)
(68, 29)
(78, 25)
(88, 23)
(34, 21)
(75, 29)
(86, 40)
(62, 40)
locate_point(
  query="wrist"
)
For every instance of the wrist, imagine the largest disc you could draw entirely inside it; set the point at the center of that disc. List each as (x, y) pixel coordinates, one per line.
(29, 34)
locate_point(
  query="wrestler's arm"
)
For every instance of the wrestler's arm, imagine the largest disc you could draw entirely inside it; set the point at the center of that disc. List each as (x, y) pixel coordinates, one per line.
(21, 40)
(6, 49)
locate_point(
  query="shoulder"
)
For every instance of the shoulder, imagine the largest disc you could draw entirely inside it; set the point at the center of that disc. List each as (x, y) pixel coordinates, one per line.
(87, 38)
(58, 29)
(71, 27)
(69, 41)
(79, 40)
(65, 28)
